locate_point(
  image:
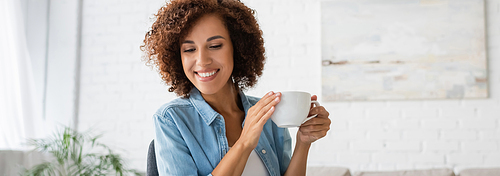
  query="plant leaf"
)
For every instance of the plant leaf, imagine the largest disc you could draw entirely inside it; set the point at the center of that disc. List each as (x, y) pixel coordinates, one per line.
(71, 150)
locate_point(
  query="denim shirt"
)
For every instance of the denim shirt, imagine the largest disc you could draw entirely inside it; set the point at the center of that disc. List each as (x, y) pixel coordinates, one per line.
(190, 138)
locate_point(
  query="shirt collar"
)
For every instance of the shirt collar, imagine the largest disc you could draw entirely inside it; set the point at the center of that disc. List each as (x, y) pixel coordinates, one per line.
(246, 105)
(205, 110)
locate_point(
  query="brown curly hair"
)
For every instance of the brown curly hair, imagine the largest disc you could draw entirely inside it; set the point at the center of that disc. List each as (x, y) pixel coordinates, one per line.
(175, 19)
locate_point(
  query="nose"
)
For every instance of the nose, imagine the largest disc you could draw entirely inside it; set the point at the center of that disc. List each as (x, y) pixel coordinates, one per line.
(204, 58)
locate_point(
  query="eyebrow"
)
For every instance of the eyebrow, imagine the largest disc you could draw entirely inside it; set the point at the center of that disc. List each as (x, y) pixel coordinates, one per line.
(215, 37)
(209, 39)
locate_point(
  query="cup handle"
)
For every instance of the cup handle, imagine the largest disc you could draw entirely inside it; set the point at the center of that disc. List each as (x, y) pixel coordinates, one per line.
(316, 103)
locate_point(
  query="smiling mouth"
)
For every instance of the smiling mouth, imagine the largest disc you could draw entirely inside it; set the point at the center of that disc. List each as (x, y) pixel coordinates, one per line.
(207, 74)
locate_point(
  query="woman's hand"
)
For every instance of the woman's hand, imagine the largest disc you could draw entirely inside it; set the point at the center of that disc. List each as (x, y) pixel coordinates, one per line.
(315, 128)
(256, 118)
(233, 163)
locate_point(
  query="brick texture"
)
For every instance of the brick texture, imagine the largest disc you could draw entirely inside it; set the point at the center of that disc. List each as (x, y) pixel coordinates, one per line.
(119, 94)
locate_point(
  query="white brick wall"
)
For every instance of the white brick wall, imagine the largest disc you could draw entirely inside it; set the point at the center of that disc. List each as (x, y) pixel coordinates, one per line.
(119, 93)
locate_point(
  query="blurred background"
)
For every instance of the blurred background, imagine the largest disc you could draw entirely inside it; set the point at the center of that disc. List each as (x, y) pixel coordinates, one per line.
(77, 63)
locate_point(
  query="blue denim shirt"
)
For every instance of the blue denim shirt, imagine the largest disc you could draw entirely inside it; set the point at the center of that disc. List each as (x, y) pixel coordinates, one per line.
(191, 138)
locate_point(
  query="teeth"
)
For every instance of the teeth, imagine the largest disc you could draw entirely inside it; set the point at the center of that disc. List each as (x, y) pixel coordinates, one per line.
(207, 74)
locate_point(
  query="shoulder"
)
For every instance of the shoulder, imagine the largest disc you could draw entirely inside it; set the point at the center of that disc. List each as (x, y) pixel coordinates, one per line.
(252, 100)
(169, 110)
(174, 104)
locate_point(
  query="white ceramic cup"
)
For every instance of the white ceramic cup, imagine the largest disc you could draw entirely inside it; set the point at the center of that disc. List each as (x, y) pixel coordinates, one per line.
(293, 109)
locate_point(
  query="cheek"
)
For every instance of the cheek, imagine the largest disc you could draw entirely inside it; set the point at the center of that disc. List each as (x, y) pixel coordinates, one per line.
(230, 58)
(231, 64)
(186, 65)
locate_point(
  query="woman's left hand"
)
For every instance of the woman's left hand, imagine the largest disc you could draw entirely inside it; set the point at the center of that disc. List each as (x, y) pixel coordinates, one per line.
(315, 128)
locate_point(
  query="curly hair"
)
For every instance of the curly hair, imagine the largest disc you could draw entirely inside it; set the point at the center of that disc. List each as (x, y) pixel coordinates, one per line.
(174, 20)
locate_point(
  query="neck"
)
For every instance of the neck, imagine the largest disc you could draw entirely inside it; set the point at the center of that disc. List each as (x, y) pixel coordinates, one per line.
(226, 100)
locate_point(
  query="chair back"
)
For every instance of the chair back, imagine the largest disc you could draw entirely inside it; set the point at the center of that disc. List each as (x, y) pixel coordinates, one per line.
(152, 169)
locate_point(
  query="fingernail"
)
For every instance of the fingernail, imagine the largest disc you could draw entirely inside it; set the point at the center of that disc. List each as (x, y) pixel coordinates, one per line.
(277, 99)
(270, 93)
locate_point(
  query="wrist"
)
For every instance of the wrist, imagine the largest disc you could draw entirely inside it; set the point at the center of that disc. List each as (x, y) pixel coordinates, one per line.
(302, 145)
(300, 142)
(243, 146)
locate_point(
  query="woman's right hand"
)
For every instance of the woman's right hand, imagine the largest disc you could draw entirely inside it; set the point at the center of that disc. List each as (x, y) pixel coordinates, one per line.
(233, 163)
(255, 119)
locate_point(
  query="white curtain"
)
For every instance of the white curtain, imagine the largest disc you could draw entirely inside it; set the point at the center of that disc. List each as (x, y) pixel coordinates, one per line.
(20, 116)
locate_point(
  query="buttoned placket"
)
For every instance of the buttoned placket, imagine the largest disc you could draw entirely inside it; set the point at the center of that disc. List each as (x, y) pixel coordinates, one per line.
(220, 127)
(262, 153)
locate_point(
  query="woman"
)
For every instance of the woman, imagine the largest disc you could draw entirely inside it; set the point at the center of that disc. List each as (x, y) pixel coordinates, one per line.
(209, 52)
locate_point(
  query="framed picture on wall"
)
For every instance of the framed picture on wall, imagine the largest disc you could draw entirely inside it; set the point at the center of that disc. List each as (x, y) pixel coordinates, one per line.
(403, 49)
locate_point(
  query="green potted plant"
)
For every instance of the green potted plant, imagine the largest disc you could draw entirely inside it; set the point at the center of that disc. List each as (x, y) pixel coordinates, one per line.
(76, 154)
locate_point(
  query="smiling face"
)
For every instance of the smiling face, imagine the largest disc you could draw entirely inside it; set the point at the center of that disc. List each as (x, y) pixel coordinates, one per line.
(207, 55)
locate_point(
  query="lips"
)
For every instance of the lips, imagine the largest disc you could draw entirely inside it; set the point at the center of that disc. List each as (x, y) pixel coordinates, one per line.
(206, 75)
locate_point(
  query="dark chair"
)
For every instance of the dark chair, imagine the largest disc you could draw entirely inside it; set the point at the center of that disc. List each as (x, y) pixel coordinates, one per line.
(152, 169)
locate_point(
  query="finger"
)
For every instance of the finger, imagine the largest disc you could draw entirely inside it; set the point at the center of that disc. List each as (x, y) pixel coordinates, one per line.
(320, 110)
(316, 134)
(313, 98)
(314, 128)
(261, 103)
(266, 116)
(317, 121)
(268, 99)
(254, 110)
(264, 106)
(265, 97)
(270, 105)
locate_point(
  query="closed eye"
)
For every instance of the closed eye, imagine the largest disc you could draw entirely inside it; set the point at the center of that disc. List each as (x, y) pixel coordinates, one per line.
(189, 50)
(215, 46)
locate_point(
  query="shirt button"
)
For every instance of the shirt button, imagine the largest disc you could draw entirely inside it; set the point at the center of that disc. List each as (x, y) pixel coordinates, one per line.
(263, 151)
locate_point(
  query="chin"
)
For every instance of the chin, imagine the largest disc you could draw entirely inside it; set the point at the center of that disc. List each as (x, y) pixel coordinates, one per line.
(208, 90)
(211, 87)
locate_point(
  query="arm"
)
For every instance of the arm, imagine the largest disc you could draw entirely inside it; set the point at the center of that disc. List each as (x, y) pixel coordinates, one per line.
(170, 149)
(298, 163)
(309, 132)
(235, 160)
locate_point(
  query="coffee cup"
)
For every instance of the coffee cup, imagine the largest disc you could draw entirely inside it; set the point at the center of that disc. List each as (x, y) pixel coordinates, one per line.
(293, 109)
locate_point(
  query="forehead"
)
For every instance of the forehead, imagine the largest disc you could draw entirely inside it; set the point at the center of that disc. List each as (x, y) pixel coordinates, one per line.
(207, 26)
